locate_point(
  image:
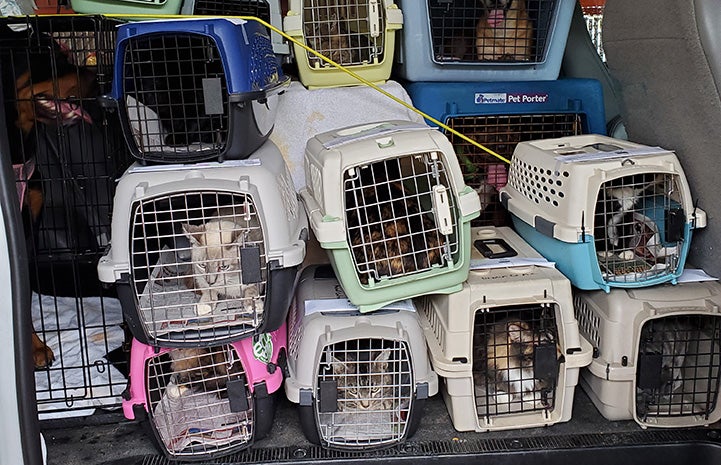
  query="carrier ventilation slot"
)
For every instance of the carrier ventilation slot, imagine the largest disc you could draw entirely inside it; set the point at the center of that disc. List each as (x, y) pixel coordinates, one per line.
(258, 8)
(374, 385)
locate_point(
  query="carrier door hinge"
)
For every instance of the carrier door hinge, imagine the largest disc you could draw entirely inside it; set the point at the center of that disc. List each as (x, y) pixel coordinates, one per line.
(422, 391)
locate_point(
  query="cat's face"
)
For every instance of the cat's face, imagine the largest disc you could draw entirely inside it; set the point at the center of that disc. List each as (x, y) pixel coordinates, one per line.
(364, 385)
(215, 255)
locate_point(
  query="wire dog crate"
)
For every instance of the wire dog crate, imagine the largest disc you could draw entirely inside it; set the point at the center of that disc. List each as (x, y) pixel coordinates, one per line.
(610, 213)
(499, 116)
(507, 346)
(360, 380)
(206, 254)
(66, 157)
(657, 353)
(358, 34)
(196, 89)
(388, 202)
(267, 10)
(108, 7)
(202, 402)
(472, 41)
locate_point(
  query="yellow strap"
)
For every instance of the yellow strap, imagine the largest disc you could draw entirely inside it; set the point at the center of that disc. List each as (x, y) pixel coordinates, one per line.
(327, 60)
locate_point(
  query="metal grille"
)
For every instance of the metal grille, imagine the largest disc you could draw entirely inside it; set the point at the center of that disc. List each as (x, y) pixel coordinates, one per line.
(66, 156)
(199, 400)
(176, 96)
(515, 31)
(365, 392)
(198, 266)
(588, 322)
(501, 133)
(258, 8)
(401, 217)
(638, 227)
(679, 364)
(516, 356)
(351, 33)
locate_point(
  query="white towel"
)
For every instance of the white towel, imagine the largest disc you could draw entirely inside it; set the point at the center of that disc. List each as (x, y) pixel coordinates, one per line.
(303, 113)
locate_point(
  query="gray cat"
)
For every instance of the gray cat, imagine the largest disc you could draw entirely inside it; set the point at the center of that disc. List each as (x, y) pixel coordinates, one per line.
(215, 256)
(364, 385)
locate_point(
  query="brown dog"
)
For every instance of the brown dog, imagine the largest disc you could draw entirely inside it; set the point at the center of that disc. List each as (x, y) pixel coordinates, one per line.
(504, 32)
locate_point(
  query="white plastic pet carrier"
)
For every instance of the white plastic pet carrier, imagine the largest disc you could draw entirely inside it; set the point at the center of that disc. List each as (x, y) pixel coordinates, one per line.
(387, 200)
(360, 380)
(507, 346)
(358, 34)
(206, 253)
(609, 212)
(657, 353)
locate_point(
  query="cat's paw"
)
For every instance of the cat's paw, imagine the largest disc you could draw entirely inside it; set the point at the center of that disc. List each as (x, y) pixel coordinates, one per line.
(626, 255)
(173, 391)
(251, 291)
(503, 398)
(203, 309)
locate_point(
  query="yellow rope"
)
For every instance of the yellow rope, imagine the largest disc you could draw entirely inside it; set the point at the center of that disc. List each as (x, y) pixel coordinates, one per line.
(329, 61)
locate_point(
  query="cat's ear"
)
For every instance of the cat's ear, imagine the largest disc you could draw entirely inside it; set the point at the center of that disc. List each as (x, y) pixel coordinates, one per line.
(380, 364)
(193, 233)
(339, 366)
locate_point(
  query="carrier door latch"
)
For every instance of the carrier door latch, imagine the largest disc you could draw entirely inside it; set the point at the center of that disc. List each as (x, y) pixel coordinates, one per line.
(545, 362)
(442, 209)
(374, 17)
(328, 396)
(649, 371)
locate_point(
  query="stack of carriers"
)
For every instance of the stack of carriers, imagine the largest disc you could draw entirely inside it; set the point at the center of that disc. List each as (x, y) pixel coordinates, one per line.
(507, 346)
(204, 255)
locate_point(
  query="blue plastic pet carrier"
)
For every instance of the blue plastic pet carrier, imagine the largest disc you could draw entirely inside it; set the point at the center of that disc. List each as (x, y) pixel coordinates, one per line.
(499, 116)
(465, 40)
(193, 90)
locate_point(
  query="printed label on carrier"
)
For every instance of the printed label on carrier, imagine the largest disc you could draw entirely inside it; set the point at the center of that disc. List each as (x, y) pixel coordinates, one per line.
(504, 97)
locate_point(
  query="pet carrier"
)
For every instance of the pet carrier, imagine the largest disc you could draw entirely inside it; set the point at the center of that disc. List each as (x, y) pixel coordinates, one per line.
(500, 115)
(195, 89)
(464, 40)
(114, 7)
(201, 402)
(657, 353)
(388, 202)
(610, 213)
(358, 34)
(205, 254)
(507, 345)
(267, 10)
(361, 380)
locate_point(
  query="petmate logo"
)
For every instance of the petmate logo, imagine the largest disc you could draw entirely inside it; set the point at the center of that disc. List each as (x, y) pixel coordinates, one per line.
(491, 97)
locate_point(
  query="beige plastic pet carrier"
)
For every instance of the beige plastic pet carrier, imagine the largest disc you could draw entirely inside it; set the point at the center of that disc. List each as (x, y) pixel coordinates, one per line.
(361, 380)
(657, 353)
(507, 346)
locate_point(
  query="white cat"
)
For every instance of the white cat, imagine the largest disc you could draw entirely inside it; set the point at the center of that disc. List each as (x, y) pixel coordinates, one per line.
(215, 257)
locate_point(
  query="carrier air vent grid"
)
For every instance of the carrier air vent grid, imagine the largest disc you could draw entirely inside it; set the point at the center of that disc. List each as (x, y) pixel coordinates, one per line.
(203, 402)
(195, 89)
(390, 217)
(198, 264)
(359, 34)
(374, 385)
(501, 133)
(515, 358)
(588, 321)
(657, 354)
(506, 30)
(257, 8)
(625, 207)
(507, 344)
(361, 380)
(688, 350)
(490, 40)
(388, 202)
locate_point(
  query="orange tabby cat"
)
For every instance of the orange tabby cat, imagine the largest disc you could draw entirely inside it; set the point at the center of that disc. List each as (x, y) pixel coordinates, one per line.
(504, 32)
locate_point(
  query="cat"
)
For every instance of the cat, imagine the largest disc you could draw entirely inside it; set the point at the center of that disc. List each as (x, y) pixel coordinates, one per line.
(508, 354)
(388, 232)
(215, 257)
(200, 370)
(326, 36)
(364, 385)
(614, 225)
(453, 28)
(504, 32)
(671, 338)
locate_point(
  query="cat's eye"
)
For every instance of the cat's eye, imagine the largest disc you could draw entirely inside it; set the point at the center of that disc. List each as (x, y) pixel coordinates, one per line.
(224, 267)
(200, 265)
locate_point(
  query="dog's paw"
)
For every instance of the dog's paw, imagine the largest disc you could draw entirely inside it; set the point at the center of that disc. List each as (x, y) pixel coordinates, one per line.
(43, 357)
